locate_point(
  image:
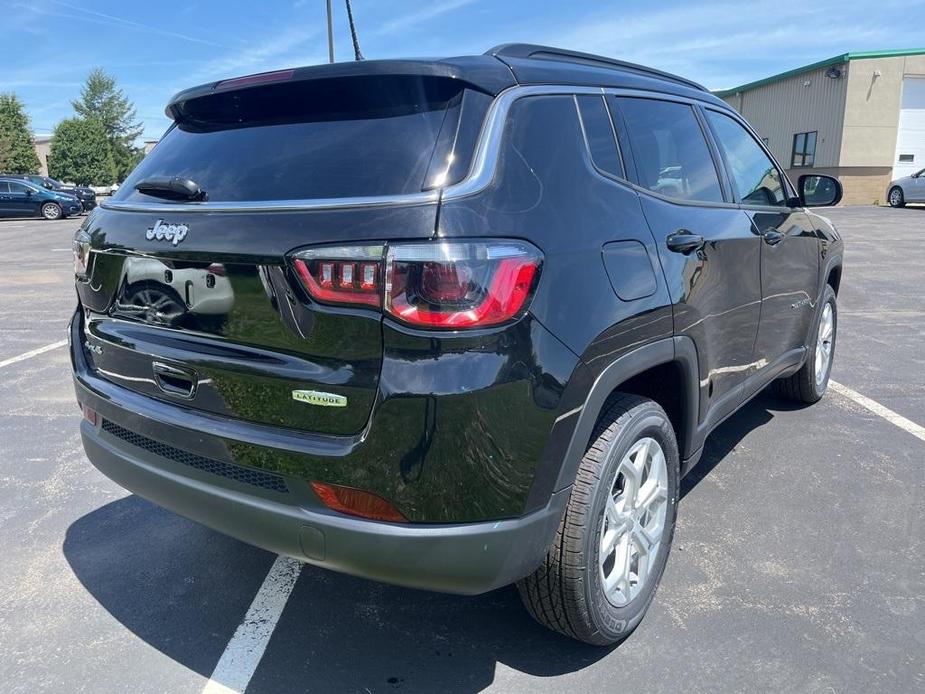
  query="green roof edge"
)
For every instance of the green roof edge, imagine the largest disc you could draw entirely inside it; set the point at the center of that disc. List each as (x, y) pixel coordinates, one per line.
(843, 58)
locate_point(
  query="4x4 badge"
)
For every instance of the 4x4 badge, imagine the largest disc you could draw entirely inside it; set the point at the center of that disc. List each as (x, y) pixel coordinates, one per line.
(316, 397)
(174, 233)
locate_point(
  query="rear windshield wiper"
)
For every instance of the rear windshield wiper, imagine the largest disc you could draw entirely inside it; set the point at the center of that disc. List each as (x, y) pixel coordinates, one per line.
(171, 188)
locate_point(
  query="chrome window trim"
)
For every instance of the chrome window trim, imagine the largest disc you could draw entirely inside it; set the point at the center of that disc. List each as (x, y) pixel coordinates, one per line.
(480, 175)
(422, 198)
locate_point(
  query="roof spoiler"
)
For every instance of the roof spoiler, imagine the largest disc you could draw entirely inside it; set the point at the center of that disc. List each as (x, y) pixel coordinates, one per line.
(482, 73)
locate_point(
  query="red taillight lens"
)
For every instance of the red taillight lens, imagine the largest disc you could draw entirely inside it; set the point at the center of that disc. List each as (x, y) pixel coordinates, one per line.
(342, 275)
(356, 502)
(460, 284)
(445, 284)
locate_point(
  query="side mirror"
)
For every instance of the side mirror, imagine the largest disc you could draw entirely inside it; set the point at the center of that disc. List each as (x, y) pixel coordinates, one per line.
(817, 190)
(29, 192)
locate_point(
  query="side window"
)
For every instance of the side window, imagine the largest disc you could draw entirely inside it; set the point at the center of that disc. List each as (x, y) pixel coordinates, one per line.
(4, 187)
(18, 188)
(754, 177)
(669, 150)
(598, 129)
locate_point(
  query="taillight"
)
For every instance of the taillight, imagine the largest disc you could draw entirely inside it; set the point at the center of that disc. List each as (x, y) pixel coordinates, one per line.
(459, 284)
(440, 284)
(81, 251)
(343, 275)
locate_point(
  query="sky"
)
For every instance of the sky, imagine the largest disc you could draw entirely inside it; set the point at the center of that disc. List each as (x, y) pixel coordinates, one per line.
(155, 49)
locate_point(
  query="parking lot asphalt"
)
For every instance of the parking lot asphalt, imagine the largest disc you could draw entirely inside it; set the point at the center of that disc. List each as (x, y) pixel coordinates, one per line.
(797, 565)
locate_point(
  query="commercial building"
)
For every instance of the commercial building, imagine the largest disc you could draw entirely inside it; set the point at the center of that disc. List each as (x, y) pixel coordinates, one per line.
(857, 116)
(42, 144)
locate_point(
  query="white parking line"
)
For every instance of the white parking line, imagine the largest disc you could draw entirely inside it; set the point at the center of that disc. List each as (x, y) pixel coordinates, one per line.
(905, 424)
(33, 353)
(243, 653)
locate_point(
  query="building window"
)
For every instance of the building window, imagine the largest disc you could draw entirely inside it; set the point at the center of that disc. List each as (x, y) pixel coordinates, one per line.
(804, 150)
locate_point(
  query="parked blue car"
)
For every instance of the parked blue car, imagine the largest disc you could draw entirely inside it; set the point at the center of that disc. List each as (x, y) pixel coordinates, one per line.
(24, 199)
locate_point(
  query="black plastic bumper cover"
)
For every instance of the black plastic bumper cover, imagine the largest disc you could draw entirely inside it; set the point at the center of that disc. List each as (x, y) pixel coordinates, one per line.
(459, 558)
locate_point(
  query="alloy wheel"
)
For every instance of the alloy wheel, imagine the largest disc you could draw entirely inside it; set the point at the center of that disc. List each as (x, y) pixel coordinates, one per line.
(634, 521)
(824, 339)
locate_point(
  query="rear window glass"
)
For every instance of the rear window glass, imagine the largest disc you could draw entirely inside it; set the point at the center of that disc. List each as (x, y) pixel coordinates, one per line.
(305, 140)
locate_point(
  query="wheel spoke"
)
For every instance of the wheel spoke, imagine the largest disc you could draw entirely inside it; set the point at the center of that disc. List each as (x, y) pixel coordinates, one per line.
(651, 495)
(648, 537)
(615, 528)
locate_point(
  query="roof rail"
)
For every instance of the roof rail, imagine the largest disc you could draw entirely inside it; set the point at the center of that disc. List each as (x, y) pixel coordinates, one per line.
(529, 50)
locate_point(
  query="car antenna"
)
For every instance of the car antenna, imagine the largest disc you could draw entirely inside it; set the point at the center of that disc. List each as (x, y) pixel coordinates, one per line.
(330, 33)
(353, 33)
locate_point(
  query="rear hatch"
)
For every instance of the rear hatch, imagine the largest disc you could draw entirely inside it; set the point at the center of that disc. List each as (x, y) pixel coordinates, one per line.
(193, 299)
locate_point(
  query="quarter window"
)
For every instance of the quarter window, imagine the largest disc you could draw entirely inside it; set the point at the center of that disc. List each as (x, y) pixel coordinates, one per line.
(754, 177)
(804, 150)
(598, 128)
(669, 150)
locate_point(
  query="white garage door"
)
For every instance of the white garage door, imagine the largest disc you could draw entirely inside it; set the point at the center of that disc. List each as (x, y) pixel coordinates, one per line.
(910, 140)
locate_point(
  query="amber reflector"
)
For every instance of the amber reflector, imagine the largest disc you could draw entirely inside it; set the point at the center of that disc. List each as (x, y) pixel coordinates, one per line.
(356, 502)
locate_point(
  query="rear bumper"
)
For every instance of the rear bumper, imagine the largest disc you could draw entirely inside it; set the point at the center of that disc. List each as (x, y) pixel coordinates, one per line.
(467, 558)
(183, 462)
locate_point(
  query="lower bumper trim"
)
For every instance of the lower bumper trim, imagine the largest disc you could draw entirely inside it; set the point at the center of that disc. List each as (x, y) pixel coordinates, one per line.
(468, 558)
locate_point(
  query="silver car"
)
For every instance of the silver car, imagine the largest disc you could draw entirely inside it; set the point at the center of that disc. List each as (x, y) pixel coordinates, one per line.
(909, 188)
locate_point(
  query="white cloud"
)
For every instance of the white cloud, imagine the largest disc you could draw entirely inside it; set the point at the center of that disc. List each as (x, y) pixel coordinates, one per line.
(412, 19)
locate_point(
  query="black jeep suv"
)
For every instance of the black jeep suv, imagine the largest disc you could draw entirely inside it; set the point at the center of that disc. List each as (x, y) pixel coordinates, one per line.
(449, 324)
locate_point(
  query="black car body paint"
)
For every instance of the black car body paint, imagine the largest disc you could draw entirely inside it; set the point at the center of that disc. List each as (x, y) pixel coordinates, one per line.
(472, 434)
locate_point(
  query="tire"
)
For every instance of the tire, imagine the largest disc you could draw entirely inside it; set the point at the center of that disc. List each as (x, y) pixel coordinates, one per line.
(896, 197)
(567, 593)
(52, 210)
(806, 385)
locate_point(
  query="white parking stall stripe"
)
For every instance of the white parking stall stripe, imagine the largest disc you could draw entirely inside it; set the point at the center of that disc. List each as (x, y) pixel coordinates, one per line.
(243, 653)
(905, 424)
(33, 353)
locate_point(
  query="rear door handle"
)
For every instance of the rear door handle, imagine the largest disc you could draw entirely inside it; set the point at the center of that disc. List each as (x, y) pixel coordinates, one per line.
(772, 237)
(683, 241)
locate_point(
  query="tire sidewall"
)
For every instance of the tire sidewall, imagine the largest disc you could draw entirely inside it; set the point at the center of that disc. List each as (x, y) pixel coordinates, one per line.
(52, 205)
(616, 622)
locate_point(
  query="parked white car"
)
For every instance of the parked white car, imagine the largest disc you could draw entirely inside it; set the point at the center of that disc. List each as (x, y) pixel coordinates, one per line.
(907, 189)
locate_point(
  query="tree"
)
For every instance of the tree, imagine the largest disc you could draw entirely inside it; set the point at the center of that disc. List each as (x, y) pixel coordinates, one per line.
(102, 101)
(17, 152)
(81, 154)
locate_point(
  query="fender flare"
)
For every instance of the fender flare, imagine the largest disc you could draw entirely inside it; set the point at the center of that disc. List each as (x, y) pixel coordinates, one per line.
(832, 262)
(678, 350)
